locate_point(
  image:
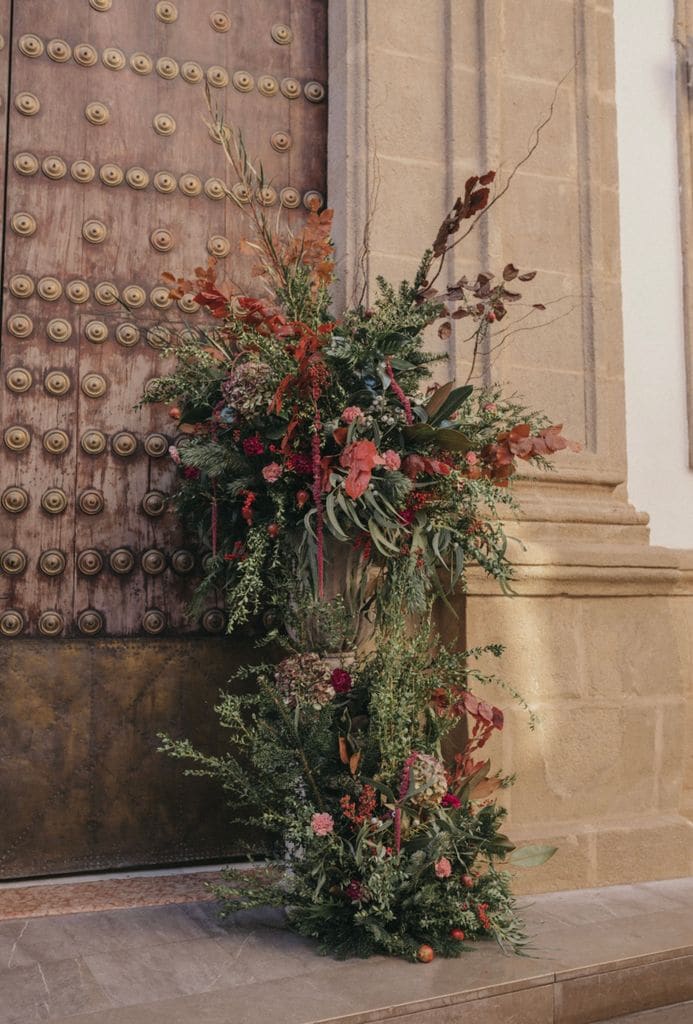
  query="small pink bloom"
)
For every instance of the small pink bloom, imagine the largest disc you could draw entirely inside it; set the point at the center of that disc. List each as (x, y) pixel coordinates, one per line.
(443, 868)
(392, 459)
(351, 413)
(490, 407)
(174, 453)
(271, 472)
(322, 824)
(471, 459)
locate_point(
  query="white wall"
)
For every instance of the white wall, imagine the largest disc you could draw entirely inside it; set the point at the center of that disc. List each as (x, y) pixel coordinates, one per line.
(660, 481)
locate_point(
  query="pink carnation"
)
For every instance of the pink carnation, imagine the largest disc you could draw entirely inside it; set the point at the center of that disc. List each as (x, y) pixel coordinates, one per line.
(174, 453)
(443, 868)
(351, 413)
(392, 459)
(271, 472)
(450, 800)
(322, 824)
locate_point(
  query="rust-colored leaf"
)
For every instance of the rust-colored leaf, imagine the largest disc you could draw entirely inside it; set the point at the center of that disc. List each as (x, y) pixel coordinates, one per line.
(484, 788)
(510, 272)
(444, 331)
(354, 761)
(343, 752)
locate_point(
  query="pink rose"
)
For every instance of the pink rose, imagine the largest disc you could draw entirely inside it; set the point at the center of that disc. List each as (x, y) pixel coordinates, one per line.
(443, 868)
(490, 407)
(271, 472)
(351, 413)
(471, 459)
(174, 453)
(322, 824)
(392, 459)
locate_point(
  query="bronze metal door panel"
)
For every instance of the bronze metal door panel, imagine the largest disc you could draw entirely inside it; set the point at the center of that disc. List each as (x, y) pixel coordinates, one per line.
(110, 178)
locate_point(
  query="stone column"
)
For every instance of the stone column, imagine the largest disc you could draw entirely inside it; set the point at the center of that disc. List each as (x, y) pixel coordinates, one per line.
(422, 96)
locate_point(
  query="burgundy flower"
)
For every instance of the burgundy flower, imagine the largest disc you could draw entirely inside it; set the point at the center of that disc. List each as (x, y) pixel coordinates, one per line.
(450, 800)
(341, 681)
(191, 472)
(355, 891)
(253, 445)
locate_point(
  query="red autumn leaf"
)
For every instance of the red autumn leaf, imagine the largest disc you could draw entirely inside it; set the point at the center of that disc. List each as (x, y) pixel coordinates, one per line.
(360, 458)
(487, 178)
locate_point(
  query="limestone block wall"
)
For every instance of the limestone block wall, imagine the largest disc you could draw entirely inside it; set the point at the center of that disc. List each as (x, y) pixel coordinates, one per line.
(597, 636)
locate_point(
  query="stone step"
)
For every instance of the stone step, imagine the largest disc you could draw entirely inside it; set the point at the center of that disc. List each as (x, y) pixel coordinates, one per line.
(681, 1013)
(596, 954)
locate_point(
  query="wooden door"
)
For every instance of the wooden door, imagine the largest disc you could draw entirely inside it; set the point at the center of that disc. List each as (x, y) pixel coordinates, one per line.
(110, 178)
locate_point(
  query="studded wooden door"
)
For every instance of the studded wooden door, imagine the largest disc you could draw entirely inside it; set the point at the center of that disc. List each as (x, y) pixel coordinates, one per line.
(111, 178)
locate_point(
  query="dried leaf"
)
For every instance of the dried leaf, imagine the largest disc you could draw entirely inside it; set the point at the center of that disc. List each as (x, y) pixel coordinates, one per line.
(444, 331)
(529, 276)
(484, 788)
(354, 761)
(343, 752)
(510, 272)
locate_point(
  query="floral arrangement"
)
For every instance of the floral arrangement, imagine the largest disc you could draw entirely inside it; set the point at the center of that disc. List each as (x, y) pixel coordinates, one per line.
(337, 494)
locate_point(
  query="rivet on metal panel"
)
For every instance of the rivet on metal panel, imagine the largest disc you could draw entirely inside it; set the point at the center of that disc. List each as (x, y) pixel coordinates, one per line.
(14, 499)
(94, 231)
(166, 11)
(291, 88)
(155, 445)
(93, 385)
(190, 184)
(23, 224)
(267, 85)
(218, 246)
(164, 124)
(314, 91)
(59, 50)
(134, 296)
(52, 562)
(243, 81)
(121, 561)
(50, 288)
(59, 330)
(77, 291)
(282, 34)
(27, 104)
(281, 141)
(30, 45)
(50, 623)
(154, 503)
(311, 197)
(164, 182)
(111, 175)
(153, 562)
(127, 335)
(213, 620)
(101, 5)
(19, 325)
(153, 621)
(160, 297)
(17, 439)
(161, 240)
(191, 72)
(215, 188)
(182, 562)
(96, 332)
(13, 562)
(90, 622)
(21, 286)
(267, 196)
(11, 623)
(124, 444)
(220, 21)
(188, 304)
(106, 293)
(85, 54)
(56, 383)
(26, 163)
(54, 167)
(93, 442)
(89, 562)
(141, 63)
(166, 67)
(241, 192)
(137, 177)
(217, 76)
(113, 58)
(290, 197)
(96, 113)
(54, 501)
(91, 502)
(158, 337)
(56, 442)
(19, 380)
(82, 171)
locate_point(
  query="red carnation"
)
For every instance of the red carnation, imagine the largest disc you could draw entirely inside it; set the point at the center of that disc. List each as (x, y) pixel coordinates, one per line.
(341, 681)
(450, 800)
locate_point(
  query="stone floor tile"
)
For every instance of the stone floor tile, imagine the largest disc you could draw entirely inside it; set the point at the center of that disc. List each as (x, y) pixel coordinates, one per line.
(682, 1013)
(46, 991)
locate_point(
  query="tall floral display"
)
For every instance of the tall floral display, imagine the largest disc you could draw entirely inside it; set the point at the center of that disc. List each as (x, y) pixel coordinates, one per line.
(338, 495)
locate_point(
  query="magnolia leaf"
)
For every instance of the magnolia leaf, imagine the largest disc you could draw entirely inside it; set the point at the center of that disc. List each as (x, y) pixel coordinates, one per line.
(531, 856)
(439, 396)
(354, 762)
(452, 440)
(451, 403)
(484, 788)
(343, 752)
